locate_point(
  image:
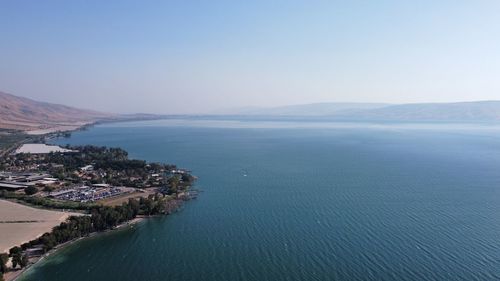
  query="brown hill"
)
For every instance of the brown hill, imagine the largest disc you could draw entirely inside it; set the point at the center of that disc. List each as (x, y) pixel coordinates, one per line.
(25, 114)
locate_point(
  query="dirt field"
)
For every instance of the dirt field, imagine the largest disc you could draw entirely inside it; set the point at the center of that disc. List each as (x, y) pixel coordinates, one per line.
(115, 201)
(19, 223)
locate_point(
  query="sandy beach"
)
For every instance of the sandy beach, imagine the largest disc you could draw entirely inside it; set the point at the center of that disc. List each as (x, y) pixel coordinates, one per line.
(20, 224)
(58, 128)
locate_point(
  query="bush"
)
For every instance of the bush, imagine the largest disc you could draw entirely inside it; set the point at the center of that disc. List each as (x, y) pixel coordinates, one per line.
(30, 190)
(48, 188)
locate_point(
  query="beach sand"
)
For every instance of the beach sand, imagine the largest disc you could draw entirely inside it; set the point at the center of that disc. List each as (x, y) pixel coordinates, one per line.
(20, 224)
(58, 128)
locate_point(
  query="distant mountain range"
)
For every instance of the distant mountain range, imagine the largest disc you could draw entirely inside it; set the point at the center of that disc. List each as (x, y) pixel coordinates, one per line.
(313, 109)
(25, 114)
(28, 115)
(460, 111)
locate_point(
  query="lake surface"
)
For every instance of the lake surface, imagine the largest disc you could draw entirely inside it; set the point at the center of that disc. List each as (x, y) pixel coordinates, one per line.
(305, 201)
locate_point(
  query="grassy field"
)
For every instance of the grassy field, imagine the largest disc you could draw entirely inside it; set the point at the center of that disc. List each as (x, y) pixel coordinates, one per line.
(116, 201)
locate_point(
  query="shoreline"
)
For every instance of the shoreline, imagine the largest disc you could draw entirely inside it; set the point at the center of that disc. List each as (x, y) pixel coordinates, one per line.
(44, 138)
(22, 223)
(15, 275)
(44, 134)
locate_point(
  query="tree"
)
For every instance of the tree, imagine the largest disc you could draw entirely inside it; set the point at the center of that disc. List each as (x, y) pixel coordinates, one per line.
(16, 259)
(173, 183)
(14, 250)
(187, 178)
(3, 263)
(24, 261)
(134, 206)
(30, 190)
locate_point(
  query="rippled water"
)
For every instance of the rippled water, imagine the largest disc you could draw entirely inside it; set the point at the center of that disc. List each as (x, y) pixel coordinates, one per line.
(297, 201)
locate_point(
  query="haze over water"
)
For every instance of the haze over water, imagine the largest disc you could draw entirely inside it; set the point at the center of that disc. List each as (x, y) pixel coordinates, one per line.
(305, 201)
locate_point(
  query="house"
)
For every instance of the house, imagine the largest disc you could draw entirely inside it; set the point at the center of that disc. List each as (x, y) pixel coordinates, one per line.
(87, 168)
(101, 185)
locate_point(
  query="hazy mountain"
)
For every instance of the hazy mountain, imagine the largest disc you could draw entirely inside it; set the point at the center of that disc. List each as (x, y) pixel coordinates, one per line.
(26, 114)
(460, 111)
(313, 109)
(236, 110)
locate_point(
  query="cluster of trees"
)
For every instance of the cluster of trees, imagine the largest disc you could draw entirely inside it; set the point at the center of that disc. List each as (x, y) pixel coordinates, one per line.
(178, 183)
(102, 158)
(85, 155)
(18, 258)
(102, 218)
(111, 165)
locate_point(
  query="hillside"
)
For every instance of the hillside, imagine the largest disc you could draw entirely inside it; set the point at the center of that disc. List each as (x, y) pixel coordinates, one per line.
(25, 114)
(313, 109)
(454, 112)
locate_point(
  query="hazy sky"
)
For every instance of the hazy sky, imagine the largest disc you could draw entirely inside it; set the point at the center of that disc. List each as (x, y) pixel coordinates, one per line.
(200, 56)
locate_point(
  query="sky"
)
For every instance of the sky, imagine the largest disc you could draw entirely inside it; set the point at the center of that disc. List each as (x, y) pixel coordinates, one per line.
(176, 57)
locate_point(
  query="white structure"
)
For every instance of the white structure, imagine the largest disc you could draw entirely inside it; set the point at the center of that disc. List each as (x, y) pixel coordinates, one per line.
(40, 148)
(87, 168)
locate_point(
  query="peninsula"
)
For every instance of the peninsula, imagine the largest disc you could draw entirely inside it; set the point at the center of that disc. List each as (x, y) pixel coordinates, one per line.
(52, 197)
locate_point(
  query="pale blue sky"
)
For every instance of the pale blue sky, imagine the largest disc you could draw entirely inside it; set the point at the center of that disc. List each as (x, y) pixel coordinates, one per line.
(200, 56)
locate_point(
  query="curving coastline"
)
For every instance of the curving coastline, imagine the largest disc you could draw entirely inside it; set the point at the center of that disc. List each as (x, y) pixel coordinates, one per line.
(166, 187)
(18, 274)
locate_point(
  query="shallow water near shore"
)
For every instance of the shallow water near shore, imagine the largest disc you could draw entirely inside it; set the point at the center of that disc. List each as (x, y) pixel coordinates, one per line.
(304, 201)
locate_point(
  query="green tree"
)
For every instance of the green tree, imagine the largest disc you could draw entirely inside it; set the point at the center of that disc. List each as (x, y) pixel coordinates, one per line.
(30, 190)
(187, 178)
(173, 183)
(24, 261)
(14, 250)
(16, 259)
(3, 263)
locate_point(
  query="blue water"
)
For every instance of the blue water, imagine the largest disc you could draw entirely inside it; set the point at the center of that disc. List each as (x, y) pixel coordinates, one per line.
(305, 201)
